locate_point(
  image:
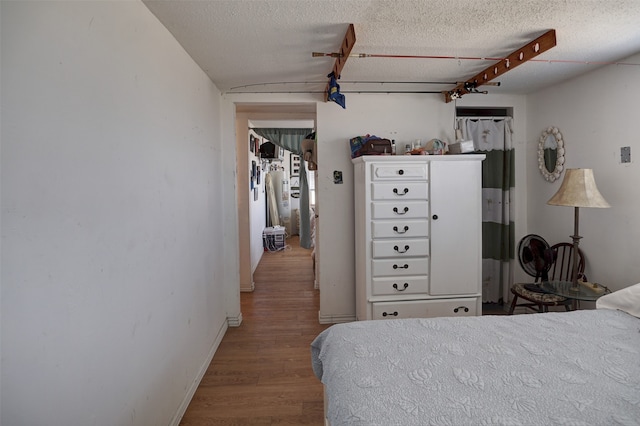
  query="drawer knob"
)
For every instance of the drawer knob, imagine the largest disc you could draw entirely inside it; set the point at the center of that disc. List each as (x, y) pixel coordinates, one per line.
(395, 314)
(401, 267)
(396, 211)
(461, 307)
(404, 192)
(406, 285)
(396, 248)
(434, 217)
(400, 172)
(395, 229)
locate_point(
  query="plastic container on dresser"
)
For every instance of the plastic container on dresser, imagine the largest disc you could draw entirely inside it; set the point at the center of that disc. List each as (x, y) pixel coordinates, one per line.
(418, 233)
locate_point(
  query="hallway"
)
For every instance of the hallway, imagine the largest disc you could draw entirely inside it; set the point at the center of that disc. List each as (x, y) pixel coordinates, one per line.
(261, 373)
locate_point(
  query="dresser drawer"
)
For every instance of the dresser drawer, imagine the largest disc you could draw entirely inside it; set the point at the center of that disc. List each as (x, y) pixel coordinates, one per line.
(400, 248)
(399, 228)
(399, 171)
(425, 308)
(399, 267)
(399, 285)
(399, 210)
(399, 191)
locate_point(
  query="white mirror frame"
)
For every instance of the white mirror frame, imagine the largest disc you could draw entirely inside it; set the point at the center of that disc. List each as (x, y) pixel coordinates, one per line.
(557, 171)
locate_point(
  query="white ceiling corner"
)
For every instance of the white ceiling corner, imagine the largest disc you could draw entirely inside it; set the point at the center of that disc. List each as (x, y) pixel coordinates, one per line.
(255, 45)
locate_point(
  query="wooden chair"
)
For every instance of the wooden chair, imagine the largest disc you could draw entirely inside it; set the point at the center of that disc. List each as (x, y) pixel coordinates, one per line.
(561, 270)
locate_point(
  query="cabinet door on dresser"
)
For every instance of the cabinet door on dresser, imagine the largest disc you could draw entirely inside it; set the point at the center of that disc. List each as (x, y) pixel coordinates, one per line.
(456, 228)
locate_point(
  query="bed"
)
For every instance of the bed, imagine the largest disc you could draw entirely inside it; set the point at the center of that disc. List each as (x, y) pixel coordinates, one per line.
(564, 368)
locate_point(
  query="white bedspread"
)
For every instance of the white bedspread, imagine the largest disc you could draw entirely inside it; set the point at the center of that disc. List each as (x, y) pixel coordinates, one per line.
(573, 368)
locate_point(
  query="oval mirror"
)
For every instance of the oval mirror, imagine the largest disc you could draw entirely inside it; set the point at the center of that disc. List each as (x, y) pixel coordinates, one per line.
(551, 154)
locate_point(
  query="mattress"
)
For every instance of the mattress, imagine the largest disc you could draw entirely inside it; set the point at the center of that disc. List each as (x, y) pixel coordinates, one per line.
(569, 368)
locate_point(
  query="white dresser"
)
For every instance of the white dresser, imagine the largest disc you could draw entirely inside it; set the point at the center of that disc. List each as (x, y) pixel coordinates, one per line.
(418, 233)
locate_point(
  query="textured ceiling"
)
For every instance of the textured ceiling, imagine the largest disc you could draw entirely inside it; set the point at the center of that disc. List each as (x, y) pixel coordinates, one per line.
(255, 46)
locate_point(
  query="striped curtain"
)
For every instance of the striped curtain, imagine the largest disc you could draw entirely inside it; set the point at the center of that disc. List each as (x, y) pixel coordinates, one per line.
(493, 138)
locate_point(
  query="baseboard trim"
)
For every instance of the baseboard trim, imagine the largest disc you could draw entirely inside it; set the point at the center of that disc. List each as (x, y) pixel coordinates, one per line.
(335, 319)
(250, 289)
(235, 321)
(203, 369)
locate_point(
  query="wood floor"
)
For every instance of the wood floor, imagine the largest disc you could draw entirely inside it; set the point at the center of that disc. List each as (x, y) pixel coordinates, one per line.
(261, 373)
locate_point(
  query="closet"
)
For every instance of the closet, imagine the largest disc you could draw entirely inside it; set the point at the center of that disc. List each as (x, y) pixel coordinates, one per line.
(418, 233)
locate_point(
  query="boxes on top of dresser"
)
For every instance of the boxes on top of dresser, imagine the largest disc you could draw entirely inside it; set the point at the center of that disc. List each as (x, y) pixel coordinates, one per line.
(369, 145)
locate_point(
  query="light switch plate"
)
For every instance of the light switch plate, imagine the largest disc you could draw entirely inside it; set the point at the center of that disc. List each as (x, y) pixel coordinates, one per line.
(625, 154)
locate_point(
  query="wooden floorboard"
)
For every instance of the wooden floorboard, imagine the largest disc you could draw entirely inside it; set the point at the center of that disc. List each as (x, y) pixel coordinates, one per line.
(261, 373)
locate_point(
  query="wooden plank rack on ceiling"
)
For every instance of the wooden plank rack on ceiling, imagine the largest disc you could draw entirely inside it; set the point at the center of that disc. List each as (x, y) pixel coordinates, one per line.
(345, 50)
(518, 57)
(527, 52)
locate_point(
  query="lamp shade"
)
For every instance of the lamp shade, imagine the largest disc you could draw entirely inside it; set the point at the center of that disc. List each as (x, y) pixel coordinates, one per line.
(578, 189)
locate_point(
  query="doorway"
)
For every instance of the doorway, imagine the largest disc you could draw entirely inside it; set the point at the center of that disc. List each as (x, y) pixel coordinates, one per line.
(251, 195)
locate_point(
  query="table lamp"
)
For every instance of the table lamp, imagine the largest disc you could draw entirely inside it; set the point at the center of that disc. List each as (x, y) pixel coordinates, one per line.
(578, 189)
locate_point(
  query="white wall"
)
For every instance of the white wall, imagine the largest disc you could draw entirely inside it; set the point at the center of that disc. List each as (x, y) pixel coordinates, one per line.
(113, 289)
(597, 115)
(250, 212)
(400, 117)
(257, 215)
